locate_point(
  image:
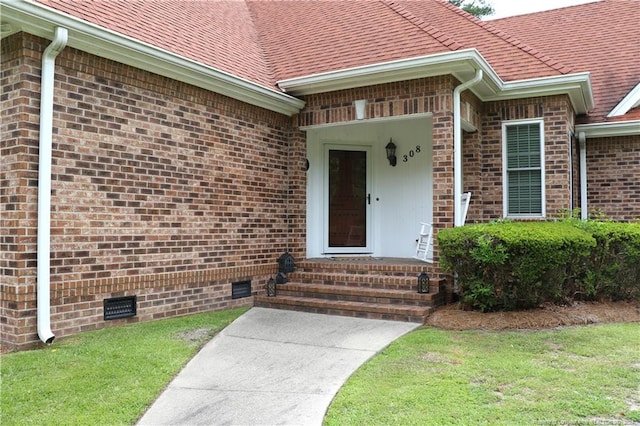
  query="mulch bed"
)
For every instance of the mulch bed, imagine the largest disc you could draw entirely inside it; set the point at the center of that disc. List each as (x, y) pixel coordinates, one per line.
(452, 317)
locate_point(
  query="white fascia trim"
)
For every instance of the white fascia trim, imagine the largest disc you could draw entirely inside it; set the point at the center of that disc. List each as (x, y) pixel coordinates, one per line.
(462, 64)
(613, 129)
(632, 100)
(577, 86)
(41, 20)
(456, 62)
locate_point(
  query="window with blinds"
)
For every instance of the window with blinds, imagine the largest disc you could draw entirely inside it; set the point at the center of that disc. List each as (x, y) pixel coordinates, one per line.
(523, 166)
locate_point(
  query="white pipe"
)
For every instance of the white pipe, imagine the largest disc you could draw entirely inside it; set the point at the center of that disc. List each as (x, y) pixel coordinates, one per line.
(44, 184)
(582, 140)
(457, 147)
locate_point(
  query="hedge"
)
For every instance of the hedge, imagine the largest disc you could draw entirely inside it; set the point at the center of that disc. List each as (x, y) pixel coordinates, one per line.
(519, 265)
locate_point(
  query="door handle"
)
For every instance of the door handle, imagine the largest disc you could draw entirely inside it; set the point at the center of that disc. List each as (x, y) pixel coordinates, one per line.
(368, 198)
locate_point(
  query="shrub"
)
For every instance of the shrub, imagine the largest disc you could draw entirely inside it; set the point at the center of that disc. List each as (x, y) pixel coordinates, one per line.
(512, 265)
(613, 266)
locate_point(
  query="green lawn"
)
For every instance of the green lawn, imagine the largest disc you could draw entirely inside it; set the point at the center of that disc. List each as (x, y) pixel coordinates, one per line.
(581, 375)
(106, 377)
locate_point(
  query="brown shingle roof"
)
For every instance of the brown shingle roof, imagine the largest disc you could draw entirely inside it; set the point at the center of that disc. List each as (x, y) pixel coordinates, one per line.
(511, 58)
(304, 38)
(266, 41)
(602, 38)
(219, 34)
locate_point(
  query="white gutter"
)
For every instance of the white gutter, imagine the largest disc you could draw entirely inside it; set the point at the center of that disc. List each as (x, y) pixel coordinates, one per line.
(610, 129)
(44, 184)
(457, 147)
(37, 19)
(582, 140)
(461, 63)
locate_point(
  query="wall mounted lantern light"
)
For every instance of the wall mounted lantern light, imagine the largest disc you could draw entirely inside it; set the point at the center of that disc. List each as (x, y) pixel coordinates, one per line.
(391, 153)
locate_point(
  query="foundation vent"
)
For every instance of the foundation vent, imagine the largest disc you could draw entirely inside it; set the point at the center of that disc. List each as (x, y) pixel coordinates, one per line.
(120, 307)
(241, 289)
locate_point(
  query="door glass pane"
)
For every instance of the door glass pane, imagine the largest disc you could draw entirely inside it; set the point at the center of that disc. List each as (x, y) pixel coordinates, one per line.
(347, 198)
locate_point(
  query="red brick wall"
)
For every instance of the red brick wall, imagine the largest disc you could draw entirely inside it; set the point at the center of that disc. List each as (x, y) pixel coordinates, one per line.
(613, 177)
(159, 189)
(472, 158)
(297, 202)
(558, 126)
(19, 104)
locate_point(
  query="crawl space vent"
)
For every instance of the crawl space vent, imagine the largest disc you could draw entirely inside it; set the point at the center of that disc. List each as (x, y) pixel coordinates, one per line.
(120, 307)
(240, 289)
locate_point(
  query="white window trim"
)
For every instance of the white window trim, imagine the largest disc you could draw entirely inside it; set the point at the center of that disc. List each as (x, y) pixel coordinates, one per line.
(505, 192)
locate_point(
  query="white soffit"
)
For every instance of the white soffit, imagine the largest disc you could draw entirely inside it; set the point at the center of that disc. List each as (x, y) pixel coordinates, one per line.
(40, 20)
(632, 100)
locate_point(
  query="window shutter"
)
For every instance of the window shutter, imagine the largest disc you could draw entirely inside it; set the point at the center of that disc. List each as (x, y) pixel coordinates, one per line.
(524, 173)
(523, 146)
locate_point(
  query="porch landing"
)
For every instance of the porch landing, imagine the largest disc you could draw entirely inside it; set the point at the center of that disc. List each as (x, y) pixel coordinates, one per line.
(365, 287)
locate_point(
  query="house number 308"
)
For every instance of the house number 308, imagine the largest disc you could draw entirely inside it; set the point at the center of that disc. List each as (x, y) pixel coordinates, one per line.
(411, 154)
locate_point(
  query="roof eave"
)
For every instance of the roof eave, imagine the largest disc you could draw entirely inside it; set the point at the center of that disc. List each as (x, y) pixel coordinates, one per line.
(632, 100)
(462, 64)
(577, 86)
(41, 21)
(611, 129)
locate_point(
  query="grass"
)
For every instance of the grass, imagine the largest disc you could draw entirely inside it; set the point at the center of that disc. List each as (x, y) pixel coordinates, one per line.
(106, 377)
(581, 375)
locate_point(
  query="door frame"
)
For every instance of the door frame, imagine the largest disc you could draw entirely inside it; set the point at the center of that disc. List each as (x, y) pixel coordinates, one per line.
(350, 146)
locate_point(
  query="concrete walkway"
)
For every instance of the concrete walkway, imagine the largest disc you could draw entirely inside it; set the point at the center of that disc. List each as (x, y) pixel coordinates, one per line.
(272, 367)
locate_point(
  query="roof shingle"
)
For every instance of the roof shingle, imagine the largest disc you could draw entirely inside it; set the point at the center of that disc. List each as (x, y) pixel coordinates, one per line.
(219, 34)
(602, 38)
(266, 41)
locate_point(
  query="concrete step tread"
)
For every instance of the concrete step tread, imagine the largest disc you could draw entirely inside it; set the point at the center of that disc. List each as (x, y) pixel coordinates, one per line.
(357, 291)
(346, 305)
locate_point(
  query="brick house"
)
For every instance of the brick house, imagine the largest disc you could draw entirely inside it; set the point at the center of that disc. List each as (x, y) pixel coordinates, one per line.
(173, 151)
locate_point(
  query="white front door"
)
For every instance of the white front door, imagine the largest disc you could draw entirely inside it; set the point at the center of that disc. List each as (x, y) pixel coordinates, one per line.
(347, 195)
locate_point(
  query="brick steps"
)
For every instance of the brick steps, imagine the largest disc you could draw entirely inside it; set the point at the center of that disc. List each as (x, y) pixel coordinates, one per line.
(402, 282)
(356, 294)
(346, 308)
(377, 289)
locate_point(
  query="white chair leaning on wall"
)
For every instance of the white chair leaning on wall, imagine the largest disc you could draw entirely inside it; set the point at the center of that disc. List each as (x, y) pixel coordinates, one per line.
(424, 243)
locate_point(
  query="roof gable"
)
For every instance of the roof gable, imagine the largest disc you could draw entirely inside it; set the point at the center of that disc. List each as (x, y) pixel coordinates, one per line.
(306, 38)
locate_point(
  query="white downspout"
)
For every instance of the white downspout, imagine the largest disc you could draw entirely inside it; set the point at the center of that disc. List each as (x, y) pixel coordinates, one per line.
(582, 140)
(457, 147)
(44, 184)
